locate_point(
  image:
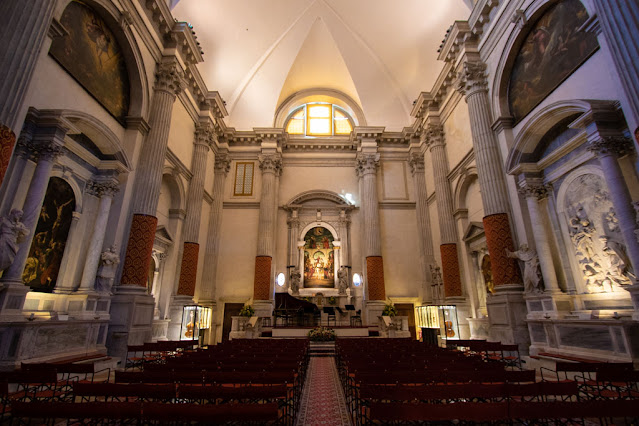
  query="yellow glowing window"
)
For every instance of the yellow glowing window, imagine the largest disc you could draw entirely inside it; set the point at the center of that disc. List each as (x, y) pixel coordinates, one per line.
(342, 123)
(317, 119)
(296, 123)
(243, 179)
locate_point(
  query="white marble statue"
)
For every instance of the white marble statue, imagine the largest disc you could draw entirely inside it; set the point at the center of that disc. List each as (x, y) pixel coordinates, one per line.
(12, 233)
(342, 279)
(532, 272)
(109, 261)
(295, 281)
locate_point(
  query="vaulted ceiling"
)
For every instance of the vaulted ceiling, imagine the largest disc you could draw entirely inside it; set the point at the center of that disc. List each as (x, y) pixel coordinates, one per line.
(380, 53)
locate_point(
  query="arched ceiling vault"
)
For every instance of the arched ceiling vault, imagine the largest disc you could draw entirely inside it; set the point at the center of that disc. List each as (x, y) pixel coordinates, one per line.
(381, 54)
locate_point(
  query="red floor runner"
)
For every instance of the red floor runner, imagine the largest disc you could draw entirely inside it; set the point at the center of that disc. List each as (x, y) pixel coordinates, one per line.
(323, 400)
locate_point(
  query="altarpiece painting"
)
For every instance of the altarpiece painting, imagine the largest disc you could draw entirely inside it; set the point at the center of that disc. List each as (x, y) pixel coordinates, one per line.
(319, 258)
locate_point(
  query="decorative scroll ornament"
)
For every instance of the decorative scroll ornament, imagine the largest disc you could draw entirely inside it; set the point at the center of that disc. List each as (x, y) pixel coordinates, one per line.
(472, 78)
(416, 162)
(270, 163)
(222, 163)
(367, 164)
(434, 135)
(169, 78)
(611, 145)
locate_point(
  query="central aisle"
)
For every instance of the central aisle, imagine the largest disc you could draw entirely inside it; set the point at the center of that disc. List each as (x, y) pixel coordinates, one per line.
(323, 401)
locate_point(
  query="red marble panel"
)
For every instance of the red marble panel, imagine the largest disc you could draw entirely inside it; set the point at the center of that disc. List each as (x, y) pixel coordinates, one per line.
(499, 239)
(262, 283)
(7, 142)
(450, 270)
(188, 271)
(139, 250)
(375, 278)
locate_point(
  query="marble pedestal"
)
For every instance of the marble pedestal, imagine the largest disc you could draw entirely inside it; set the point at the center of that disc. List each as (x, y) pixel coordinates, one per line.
(463, 312)
(372, 311)
(12, 297)
(507, 317)
(547, 305)
(263, 308)
(176, 310)
(479, 328)
(131, 319)
(634, 295)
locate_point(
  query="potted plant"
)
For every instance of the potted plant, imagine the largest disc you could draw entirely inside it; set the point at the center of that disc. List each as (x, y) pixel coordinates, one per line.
(389, 310)
(321, 334)
(247, 311)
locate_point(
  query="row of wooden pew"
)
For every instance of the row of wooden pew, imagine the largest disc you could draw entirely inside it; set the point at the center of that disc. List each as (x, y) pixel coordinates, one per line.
(397, 381)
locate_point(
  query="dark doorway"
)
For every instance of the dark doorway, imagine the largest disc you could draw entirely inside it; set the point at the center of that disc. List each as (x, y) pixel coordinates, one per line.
(408, 310)
(230, 310)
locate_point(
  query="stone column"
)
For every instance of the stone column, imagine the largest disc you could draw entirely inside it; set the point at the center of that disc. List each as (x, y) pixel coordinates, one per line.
(427, 257)
(506, 308)
(104, 189)
(494, 194)
(191, 249)
(344, 222)
(534, 191)
(46, 146)
(18, 165)
(293, 223)
(367, 170)
(209, 271)
(148, 177)
(434, 137)
(618, 20)
(23, 31)
(608, 150)
(269, 165)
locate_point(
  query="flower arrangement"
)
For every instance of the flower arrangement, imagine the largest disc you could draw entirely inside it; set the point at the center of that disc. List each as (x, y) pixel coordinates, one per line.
(247, 311)
(332, 300)
(321, 334)
(389, 310)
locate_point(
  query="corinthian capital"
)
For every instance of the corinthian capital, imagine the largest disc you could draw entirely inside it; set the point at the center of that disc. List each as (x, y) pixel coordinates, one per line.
(46, 151)
(103, 188)
(367, 164)
(416, 163)
(611, 145)
(204, 134)
(169, 77)
(271, 163)
(434, 135)
(472, 78)
(222, 163)
(535, 189)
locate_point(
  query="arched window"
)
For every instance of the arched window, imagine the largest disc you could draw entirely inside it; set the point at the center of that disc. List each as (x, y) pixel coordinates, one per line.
(319, 119)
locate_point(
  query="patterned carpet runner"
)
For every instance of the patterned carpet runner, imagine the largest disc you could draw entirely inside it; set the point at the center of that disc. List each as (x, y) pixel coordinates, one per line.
(323, 401)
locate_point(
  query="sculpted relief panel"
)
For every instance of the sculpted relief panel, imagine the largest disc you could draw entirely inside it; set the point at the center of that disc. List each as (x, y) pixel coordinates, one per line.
(595, 235)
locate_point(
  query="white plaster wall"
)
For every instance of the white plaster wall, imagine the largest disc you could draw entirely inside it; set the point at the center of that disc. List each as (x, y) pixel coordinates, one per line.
(298, 179)
(210, 172)
(459, 140)
(473, 202)
(181, 134)
(428, 174)
(400, 250)
(436, 232)
(164, 204)
(204, 227)
(394, 178)
(236, 262)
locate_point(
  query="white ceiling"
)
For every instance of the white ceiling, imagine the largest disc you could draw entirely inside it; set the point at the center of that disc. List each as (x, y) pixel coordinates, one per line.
(381, 53)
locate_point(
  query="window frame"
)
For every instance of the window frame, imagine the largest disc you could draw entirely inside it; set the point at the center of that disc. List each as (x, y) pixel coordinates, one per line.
(243, 193)
(306, 120)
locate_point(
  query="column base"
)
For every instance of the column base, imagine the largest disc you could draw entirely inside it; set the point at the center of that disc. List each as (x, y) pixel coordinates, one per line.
(131, 319)
(373, 310)
(263, 308)
(176, 311)
(507, 319)
(12, 296)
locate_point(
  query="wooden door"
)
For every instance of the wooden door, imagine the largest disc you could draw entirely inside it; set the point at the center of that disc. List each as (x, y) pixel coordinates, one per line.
(230, 310)
(408, 310)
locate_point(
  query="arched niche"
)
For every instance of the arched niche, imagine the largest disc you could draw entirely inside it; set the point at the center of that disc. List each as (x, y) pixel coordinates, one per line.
(119, 24)
(526, 21)
(313, 209)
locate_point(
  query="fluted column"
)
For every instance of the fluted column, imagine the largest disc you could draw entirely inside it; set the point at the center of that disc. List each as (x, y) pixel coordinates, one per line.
(367, 170)
(293, 223)
(45, 151)
(434, 137)
(104, 189)
(209, 271)
(269, 165)
(494, 195)
(534, 191)
(148, 177)
(191, 249)
(23, 30)
(427, 258)
(608, 150)
(618, 20)
(344, 222)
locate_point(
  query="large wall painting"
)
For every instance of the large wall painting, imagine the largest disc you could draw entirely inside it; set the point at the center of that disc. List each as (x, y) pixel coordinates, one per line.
(50, 238)
(552, 50)
(319, 258)
(91, 54)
